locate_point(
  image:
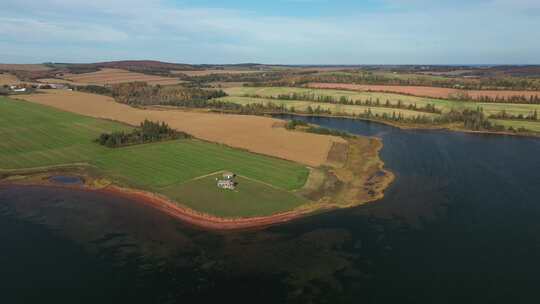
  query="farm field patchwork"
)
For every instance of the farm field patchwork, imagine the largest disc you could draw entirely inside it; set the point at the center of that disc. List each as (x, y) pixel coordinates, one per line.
(36, 136)
(214, 72)
(256, 134)
(236, 95)
(334, 108)
(433, 92)
(113, 76)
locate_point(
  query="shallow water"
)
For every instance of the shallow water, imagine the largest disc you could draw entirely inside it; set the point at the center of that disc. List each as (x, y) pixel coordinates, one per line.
(66, 180)
(460, 224)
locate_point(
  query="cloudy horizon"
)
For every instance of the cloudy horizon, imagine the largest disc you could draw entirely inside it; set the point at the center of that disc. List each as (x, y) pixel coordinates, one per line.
(277, 32)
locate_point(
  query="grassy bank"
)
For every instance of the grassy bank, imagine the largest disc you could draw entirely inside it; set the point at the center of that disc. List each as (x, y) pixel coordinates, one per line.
(38, 136)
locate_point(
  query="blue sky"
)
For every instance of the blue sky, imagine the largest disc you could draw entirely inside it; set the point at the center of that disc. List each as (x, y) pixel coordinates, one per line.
(279, 31)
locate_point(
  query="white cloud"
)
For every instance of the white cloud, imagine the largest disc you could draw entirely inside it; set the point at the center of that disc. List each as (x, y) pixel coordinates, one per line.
(30, 30)
(155, 29)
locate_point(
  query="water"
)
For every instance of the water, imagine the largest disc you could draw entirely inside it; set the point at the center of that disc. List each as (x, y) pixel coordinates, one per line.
(460, 224)
(66, 180)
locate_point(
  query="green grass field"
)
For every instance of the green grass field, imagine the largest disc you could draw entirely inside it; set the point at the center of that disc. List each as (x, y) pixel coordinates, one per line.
(236, 95)
(38, 136)
(250, 198)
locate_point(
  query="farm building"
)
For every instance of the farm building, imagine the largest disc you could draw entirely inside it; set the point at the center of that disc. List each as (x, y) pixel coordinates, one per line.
(227, 182)
(228, 175)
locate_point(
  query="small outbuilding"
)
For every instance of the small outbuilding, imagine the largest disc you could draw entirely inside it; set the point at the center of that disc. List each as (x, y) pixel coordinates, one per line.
(228, 175)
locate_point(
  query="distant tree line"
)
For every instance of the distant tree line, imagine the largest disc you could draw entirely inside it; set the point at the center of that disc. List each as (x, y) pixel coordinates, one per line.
(471, 120)
(504, 115)
(521, 99)
(344, 100)
(370, 78)
(148, 131)
(367, 77)
(140, 93)
(94, 89)
(253, 78)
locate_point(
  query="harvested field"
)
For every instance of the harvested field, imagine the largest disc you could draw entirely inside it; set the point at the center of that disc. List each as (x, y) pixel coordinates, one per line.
(253, 133)
(114, 76)
(8, 79)
(425, 91)
(24, 67)
(213, 72)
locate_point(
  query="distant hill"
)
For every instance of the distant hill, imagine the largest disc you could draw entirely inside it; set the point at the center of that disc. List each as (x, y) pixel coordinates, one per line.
(144, 64)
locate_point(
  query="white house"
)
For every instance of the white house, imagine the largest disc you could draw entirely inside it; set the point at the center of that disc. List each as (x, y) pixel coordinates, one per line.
(227, 182)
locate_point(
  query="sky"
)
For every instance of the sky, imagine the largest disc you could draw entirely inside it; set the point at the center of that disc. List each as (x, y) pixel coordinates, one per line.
(274, 32)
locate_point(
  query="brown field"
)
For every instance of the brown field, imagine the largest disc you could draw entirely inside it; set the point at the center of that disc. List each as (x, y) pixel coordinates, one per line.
(212, 72)
(24, 67)
(253, 133)
(8, 79)
(114, 76)
(424, 91)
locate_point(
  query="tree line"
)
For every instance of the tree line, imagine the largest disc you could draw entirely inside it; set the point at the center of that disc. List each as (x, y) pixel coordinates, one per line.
(344, 100)
(140, 93)
(367, 77)
(504, 115)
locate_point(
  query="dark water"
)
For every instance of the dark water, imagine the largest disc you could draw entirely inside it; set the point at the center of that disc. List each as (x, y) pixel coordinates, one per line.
(66, 180)
(461, 224)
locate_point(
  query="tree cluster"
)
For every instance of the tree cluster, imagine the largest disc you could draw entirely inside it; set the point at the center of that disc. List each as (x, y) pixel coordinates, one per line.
(292, 124)
(95, 89)
(504, 115)
(148, 131)
(140, 93)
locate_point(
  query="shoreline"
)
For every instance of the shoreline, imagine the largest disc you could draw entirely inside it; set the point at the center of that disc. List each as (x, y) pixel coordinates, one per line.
(179, 212)
(92, 182)
(413, 127)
